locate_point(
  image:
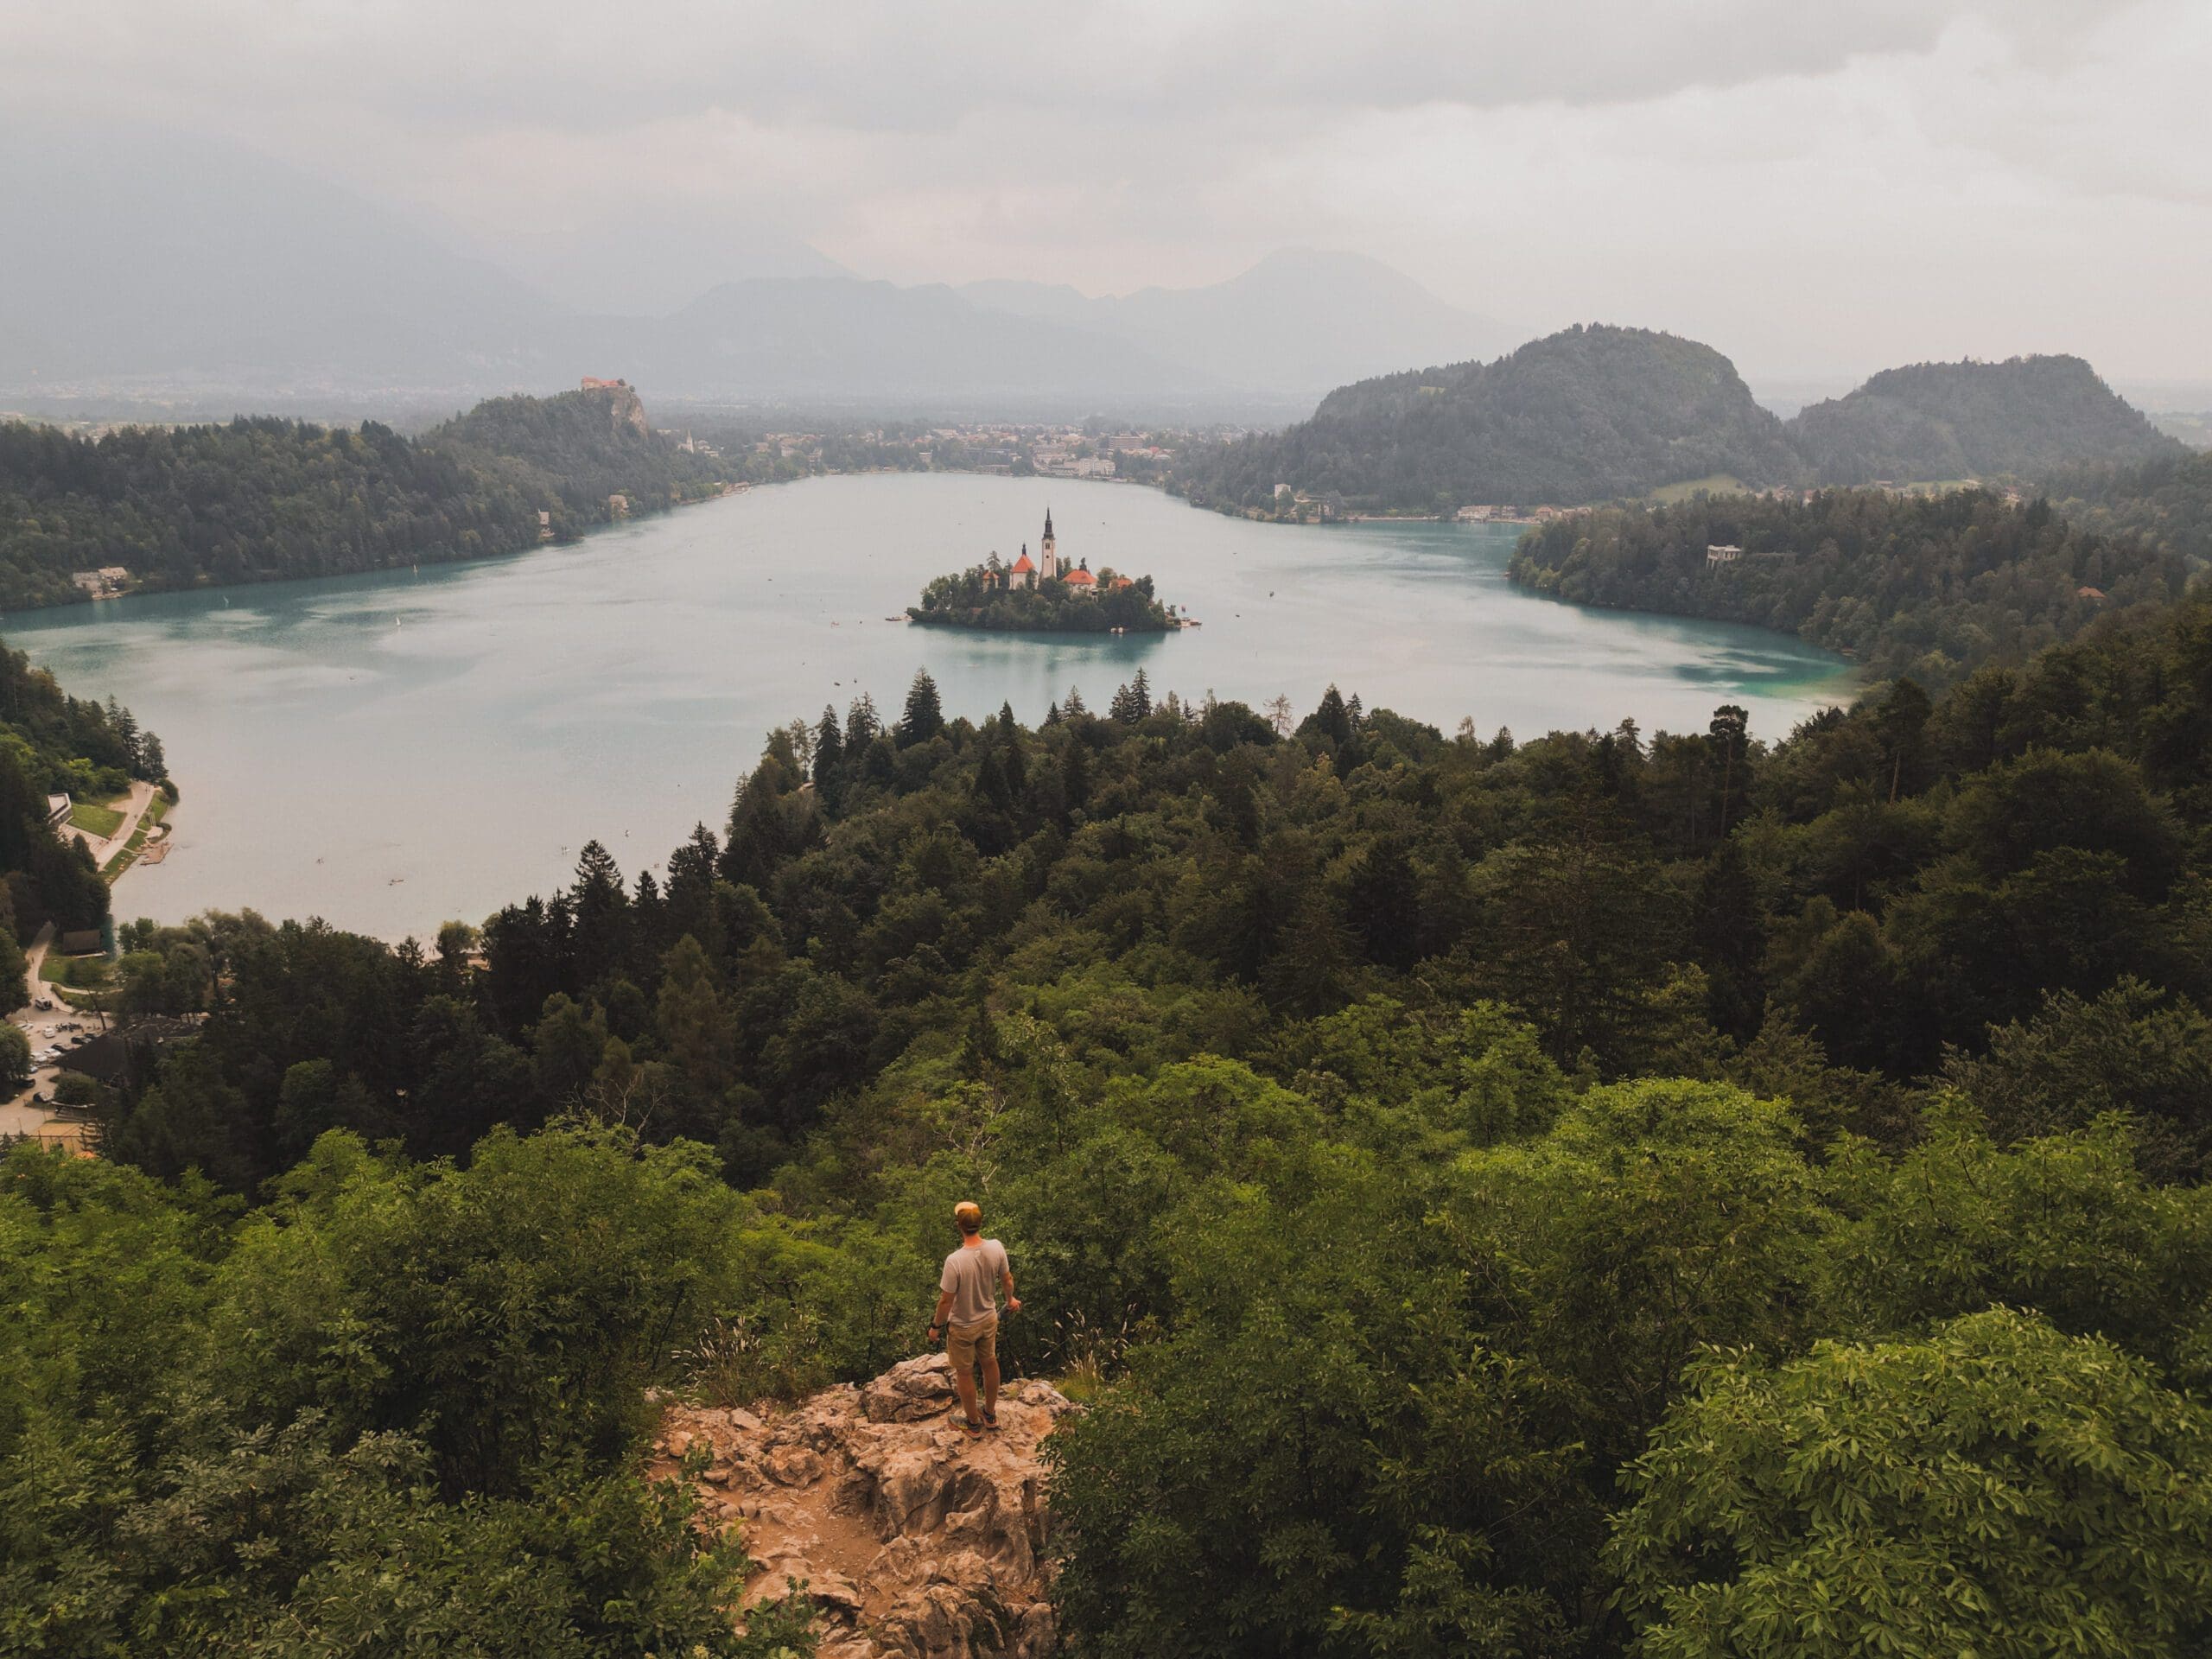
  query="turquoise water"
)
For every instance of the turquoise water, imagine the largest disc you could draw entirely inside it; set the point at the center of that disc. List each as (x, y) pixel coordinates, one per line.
(392, 750)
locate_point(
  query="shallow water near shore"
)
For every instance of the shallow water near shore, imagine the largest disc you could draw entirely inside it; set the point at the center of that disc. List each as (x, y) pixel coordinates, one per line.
(389, 751)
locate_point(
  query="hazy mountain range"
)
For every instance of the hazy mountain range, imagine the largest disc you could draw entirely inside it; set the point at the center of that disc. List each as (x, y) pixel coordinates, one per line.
(136, 263)
(1298, 322)
(129, 261)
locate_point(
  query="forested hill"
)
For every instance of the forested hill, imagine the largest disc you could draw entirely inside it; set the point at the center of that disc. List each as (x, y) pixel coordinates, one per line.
(1602, 413)
(262, 497)
(2167, 501)
(581, 447)
(2020, 418)
(1928, 586)
(1547, 1150)
(1587, 415)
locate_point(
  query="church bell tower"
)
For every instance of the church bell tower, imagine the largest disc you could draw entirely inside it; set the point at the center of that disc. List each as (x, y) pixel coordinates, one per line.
(1048, 557)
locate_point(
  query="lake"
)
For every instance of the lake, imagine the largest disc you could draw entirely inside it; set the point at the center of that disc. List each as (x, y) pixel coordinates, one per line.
(392, 750)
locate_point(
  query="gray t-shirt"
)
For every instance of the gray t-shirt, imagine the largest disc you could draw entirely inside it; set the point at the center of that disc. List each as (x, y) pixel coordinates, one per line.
(973, 1278)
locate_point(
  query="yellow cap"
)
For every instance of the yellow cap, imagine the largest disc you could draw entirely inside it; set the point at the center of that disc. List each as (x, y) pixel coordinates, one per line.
(968, 1216)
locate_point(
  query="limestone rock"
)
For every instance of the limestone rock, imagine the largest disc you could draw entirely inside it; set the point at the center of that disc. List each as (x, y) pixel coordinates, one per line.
(910, 1391)
(915, 1540)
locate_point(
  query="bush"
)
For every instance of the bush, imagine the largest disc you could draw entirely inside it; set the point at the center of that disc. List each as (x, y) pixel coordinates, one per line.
(1997, 1488)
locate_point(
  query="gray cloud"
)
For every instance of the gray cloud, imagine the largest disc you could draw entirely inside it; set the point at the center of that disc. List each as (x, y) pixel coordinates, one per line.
(876, 64)
(1810, 187)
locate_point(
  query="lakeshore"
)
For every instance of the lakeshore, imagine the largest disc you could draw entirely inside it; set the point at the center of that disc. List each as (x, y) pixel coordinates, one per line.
(392, 750)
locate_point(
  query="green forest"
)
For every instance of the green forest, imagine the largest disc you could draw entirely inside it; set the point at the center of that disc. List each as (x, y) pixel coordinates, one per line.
(1607, 414)
(2024, 417)
(968, 599)
(1930, 586)
(1620, 1191)
(2167, 503)
(262, 498)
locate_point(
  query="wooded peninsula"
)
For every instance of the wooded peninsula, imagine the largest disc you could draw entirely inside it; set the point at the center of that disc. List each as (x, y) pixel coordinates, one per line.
(260, 499)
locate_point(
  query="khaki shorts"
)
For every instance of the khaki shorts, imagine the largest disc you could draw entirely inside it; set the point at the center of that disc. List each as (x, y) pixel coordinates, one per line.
(966, 1343)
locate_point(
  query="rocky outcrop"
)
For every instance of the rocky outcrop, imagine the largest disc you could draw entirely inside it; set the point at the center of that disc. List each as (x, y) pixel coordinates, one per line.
(914, 1539)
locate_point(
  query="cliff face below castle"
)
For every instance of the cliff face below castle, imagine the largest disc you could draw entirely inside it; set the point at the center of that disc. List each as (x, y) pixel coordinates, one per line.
(626, 411)
(914, 1539)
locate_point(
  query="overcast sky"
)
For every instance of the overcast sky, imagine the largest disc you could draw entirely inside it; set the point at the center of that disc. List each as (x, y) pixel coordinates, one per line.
(1813, 185)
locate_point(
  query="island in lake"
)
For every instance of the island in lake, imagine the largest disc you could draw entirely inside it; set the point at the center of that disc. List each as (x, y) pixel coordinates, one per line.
(1044, 595)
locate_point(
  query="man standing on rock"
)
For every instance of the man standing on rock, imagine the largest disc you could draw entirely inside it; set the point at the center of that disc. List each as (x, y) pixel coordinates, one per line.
(967, 1313)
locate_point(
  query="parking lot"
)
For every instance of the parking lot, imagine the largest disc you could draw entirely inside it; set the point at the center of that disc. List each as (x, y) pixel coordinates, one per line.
(55, 1032)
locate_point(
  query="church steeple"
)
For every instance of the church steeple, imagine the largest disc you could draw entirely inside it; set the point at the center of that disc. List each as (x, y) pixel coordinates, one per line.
(1048, 555)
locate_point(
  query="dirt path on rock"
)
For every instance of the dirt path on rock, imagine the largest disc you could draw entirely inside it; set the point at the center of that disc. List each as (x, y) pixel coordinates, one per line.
(915, 1539)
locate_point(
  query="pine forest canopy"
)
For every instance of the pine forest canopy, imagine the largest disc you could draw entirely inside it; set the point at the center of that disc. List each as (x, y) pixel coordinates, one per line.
(262, 497)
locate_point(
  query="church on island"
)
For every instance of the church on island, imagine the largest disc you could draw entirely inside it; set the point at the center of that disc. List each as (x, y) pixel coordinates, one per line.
(1079, 583)
(1044, 594)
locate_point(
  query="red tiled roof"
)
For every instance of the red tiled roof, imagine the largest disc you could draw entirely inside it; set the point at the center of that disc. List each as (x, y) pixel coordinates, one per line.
(1023, 565)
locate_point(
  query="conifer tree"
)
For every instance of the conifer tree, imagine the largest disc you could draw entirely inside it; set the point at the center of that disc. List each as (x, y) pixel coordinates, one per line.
(862, 723)
(828, 746)
(924, 717)
(1075, 775)
(602, 913)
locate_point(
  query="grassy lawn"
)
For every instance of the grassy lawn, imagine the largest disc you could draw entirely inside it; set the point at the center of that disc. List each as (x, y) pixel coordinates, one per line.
(79, 973)
(157, 809)
(101, 821)
(123, 860)
(1717, 484)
